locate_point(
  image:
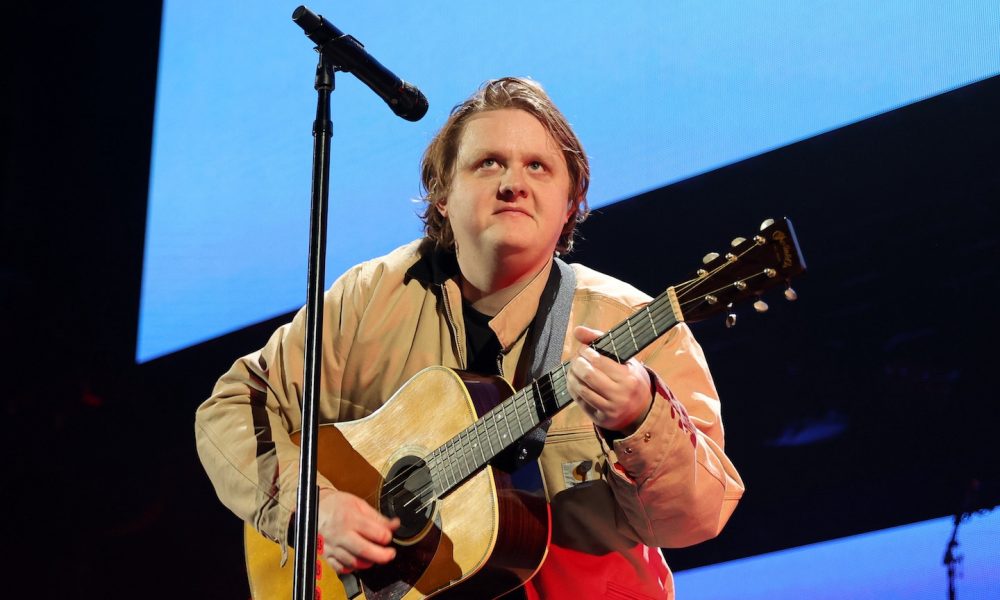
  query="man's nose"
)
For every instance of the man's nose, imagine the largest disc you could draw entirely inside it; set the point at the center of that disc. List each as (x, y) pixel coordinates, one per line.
(512, 185)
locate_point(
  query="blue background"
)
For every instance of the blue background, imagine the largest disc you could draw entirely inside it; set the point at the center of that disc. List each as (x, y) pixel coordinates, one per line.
(657, 92)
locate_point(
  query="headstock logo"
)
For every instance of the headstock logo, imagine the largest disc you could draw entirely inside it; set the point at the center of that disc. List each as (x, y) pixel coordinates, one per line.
(786, 248)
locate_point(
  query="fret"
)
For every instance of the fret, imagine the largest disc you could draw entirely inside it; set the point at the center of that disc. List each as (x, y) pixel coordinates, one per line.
(563, 398)
(432, 468)
(510, 411)
(446, 470)
(517, 414)
(498, 419)
(450, 455)
(502, 417)
(614, 348)
(537, 400)
(562, 367)
(531, 403)
(440, 487)
(478, 442)
(552, 396)
(463, 443)
(488, 441)
(632, 335)
(651, 322)
(456, 465)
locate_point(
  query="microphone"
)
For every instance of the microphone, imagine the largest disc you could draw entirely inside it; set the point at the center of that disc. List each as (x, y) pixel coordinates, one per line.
(349, 55)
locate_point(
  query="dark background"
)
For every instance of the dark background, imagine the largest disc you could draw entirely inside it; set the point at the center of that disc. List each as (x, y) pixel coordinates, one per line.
(868, 403)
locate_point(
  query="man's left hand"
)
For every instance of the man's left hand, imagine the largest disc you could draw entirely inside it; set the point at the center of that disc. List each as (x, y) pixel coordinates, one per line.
(616, 396)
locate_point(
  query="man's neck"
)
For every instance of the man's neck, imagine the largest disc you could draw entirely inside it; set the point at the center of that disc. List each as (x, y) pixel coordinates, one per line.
(488, 290)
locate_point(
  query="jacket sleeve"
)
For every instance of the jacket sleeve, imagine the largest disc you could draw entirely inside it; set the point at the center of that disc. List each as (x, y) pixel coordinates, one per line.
(671, 478)
(243, 430)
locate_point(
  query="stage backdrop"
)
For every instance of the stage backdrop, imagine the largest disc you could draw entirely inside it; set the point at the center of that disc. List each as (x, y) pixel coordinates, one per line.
(658, 92)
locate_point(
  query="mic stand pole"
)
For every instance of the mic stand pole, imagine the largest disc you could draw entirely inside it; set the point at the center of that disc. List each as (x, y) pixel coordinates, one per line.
(307, 502)
(951, 558)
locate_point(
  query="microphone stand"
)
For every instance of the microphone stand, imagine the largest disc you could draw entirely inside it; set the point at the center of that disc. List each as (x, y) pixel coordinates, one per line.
(333, 56)
(307, 502)
(951, 558)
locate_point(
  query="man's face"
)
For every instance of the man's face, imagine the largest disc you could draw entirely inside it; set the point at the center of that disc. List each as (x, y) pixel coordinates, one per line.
(509, 193)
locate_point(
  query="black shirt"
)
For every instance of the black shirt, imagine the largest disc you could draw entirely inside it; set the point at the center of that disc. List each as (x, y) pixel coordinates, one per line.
(482, 342)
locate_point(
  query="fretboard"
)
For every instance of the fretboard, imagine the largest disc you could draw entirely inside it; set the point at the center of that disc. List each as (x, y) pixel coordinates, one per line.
(512, 419)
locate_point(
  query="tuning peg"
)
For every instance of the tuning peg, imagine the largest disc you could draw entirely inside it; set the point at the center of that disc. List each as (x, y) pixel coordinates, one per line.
(709, 257)
(737, 241)
(767, 223)
(790, 294)
(731, 317)
(760, 306)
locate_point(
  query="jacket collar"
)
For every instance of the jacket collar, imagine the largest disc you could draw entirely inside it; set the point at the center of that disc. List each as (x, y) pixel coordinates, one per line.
(435, 265)
(438, 267)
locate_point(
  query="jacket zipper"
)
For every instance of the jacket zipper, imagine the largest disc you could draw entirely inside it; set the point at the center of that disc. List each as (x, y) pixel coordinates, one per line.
(454, 326)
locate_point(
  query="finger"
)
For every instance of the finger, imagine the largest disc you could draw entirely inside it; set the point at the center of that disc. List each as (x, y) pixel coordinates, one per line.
(586, 335)
(368, 515)
(335, 564)
(376, 528)
(593, 386)
(592, 414)
(619, 373)
(615, 371)
(342, 561)
(363, 564)
(595, 406)
(360, 548)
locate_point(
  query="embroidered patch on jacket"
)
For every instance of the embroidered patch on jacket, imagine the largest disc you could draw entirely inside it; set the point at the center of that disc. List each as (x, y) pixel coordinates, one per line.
(577, 472)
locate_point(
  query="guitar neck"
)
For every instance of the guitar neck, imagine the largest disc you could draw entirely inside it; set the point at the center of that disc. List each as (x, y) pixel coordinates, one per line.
(514, 418)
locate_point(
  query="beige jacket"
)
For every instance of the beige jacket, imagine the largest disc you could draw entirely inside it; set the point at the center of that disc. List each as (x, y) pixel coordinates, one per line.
(669, 484)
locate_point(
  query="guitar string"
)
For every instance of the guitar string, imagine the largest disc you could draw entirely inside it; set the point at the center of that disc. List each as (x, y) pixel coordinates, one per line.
(689, 285)
(457, 445)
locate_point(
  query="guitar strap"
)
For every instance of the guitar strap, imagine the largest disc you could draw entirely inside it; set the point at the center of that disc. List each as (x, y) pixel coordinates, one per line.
(546, 336)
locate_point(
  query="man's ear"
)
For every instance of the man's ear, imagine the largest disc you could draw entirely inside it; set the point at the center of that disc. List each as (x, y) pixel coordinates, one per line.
(442, 207)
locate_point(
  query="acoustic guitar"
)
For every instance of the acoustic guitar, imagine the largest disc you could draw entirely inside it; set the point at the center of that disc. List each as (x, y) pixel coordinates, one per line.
(467, 531)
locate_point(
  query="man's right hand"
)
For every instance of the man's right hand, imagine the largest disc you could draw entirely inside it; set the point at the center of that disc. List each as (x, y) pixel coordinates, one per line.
(355, 535)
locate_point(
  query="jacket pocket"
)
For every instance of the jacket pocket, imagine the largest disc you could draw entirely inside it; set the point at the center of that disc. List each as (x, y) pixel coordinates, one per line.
(570, 457)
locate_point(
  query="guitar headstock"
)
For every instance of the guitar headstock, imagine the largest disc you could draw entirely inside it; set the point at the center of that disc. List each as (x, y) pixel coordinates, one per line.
(750, 266)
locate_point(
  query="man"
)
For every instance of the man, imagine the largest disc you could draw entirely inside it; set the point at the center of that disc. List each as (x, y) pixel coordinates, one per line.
(635, 463)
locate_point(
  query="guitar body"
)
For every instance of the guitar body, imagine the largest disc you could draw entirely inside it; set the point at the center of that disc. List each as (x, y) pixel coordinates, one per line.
(482, 539)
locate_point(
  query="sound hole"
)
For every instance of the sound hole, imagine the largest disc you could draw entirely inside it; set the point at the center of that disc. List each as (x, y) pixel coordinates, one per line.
(408, 493)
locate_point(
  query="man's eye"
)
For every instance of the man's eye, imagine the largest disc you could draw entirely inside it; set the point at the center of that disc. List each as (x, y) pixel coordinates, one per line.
(488, 163)
(536, 165)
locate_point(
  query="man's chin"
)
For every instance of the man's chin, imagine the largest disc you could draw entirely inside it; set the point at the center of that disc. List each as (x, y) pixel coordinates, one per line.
(519, 242)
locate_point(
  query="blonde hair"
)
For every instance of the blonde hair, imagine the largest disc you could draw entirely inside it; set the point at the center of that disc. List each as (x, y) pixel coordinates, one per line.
(438, 164)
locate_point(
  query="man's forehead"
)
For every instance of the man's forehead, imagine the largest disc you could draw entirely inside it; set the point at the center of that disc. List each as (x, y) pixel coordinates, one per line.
(489, 130)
